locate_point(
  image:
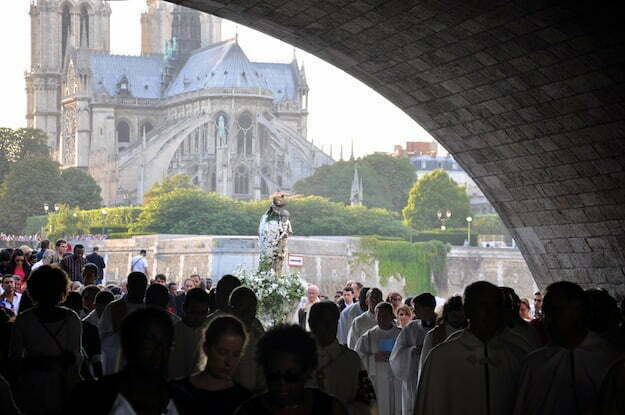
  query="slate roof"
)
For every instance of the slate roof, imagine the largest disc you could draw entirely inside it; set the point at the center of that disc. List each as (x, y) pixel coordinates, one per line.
(281, 79)
(222, 65)
(143, 74)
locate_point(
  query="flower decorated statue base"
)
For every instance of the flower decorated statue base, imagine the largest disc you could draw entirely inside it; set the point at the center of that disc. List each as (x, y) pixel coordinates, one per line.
(278, 295)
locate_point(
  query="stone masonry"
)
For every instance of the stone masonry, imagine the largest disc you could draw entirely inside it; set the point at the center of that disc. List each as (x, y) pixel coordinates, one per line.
(527, 96)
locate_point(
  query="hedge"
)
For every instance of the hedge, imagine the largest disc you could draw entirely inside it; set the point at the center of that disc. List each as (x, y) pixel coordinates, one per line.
(455, 237)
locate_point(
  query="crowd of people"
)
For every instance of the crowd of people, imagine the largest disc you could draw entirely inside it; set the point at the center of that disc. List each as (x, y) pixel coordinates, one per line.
(18, 238)
(70, 344)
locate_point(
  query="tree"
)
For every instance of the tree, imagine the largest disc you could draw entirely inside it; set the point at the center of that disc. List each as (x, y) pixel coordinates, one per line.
(169, 184)
(434, 192)
(386, 181)
(80, 189)
(30, 183)
(18, 144)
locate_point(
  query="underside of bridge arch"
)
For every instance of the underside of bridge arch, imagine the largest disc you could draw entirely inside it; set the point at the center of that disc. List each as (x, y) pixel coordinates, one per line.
(527, 95)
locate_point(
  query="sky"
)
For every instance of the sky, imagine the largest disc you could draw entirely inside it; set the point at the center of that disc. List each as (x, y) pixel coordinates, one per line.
(342, 109)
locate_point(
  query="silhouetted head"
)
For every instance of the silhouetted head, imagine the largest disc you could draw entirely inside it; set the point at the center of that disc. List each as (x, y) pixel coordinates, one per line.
(323, 320)
(483, 306)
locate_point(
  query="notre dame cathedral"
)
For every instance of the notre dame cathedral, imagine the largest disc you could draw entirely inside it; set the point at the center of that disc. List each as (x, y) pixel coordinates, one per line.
(191, 103)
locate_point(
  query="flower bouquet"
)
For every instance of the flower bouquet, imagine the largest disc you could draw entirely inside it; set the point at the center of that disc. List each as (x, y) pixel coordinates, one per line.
(278, 295)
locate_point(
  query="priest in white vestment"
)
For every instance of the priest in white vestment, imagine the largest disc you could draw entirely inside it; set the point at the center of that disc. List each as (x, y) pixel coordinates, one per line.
(349, 315)
(477, 370)
(375, 348)
(365, 321)
(340, 370)
(407, 350)
(110, 322)
(565, 376)
(452, 321)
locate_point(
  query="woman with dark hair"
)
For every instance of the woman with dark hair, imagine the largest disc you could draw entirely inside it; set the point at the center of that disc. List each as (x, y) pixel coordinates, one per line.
(19, 266)
(288, 356)
(213, 389)
(45, 345)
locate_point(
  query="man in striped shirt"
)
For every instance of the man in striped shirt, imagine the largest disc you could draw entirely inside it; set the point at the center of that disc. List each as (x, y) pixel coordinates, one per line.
(75, 263)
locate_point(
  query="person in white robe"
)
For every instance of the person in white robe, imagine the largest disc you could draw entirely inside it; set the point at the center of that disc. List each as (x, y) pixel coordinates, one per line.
(340, 370)
(114, 313)
(187, 356)
(452, 321)
(375, 348)
(477, 370)
(407, 351)
(349, 315)
(565, 376)
(366, 320)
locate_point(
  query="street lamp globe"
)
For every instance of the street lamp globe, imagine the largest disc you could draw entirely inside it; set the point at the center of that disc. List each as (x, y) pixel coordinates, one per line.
(469, 219)
(56, 207)
(46, 207)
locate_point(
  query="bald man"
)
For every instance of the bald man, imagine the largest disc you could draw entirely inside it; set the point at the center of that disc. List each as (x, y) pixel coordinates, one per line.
(476, 370)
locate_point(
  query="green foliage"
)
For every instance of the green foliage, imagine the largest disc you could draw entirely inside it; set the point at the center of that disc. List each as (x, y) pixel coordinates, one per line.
(455, 237)
(192, 211)
(169, 184)
(417, 262)
(30, 183)
(18, 144)
(35, 224)
(126, 235)
(489, 225)
(66, 222)
(434, 192)
(122, 216)
(386, 181)
(80, 189)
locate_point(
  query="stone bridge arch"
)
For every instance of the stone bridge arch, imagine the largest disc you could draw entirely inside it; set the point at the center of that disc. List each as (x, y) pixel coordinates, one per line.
(527, 96)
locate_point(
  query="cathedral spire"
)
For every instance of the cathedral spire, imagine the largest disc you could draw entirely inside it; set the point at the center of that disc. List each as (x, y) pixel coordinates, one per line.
(351, 157)
(356, 195)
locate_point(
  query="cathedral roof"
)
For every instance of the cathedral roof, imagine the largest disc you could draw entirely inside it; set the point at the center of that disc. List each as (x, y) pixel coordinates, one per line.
(221, 65)
(281, 79)
(142, 72)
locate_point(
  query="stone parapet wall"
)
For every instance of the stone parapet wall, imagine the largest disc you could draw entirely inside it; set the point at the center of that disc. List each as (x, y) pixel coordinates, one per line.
(327, 261)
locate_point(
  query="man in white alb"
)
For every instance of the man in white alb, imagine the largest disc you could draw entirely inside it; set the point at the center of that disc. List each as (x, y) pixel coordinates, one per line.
(366, 320)
(476, 370)
(565, 376)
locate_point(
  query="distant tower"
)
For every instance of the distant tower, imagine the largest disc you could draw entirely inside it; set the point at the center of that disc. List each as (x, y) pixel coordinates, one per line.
(55, 28)
(351, 157)
(155, 27)
(356, 196)
(186, 28)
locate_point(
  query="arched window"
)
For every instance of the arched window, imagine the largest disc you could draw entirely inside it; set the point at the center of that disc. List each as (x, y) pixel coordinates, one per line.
(84, 27)
(221, 130)
(245, 134)
(66, 29)
(123, 132)
(145, 129)
(241, 181)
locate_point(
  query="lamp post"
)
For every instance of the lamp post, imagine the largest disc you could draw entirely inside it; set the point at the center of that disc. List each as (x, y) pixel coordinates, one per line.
(104, 212)
(469, 220)
(443, 218)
